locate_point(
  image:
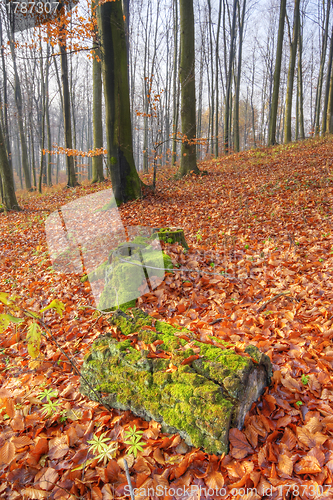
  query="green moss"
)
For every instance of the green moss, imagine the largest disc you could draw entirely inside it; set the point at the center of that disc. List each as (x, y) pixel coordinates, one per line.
(195, 400)
(129, 325)
(147, 336)
(99, 272)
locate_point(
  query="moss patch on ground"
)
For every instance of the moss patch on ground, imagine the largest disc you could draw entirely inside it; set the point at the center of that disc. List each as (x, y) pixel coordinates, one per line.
(162, 373)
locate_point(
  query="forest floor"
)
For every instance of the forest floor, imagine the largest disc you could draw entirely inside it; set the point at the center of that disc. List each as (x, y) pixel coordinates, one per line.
(265, 218)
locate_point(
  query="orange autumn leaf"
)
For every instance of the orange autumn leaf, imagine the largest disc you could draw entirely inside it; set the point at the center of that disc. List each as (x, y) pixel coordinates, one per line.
(215, 480)
(308, 465)
(240, 445)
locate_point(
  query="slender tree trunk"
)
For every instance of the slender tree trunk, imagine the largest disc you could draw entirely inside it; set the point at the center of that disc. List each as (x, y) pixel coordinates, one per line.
(300, 84)
(229, 80)
(187, 79)
(5, 99)
(277, 73)
(212, 100)
(329, 124)
(43, 97)
(217, 81)
(97, 161)
(126, 183)
(327, 87)
(32, 149)
(47, 117)
(321, 70)
(237, 86)
(291, 72)
(19, 106)
(7, 180)
(71, 177)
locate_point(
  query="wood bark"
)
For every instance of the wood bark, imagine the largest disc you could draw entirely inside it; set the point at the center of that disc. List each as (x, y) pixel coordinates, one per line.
(20, 119)
(321, 70)
(7, 180)
(241, 18)
(277, 73)
(327, 87)
(71, 176)
(227, 108)
(291, 72)
(187, 80)
(126, 183)
(97, 161)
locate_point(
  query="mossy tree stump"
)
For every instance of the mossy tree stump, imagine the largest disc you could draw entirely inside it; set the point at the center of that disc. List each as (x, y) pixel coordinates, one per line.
(130, 265)
(172, 235)
(197, 389)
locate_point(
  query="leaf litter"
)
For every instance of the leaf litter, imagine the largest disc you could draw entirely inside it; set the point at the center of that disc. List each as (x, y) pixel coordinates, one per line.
(259, 228)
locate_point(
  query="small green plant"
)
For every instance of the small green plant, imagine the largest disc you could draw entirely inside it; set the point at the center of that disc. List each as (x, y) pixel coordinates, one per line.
(169, 240)
(63, 416)
(299, 403)
(321, 260)
(246, 247)
(30, 318)
(212, 265)
(132, 438)
(198, 236)
(50, 408)
(305, 379)
(103, 447)
(48, 394)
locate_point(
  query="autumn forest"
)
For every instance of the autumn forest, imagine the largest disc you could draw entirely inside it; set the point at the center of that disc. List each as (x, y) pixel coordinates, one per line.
(166, 250)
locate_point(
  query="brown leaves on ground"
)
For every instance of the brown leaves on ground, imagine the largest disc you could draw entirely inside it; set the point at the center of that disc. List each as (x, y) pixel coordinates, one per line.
(262, 219)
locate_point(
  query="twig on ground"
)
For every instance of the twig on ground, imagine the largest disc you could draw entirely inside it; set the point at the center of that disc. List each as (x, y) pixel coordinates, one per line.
(261, 308)
(128, 477)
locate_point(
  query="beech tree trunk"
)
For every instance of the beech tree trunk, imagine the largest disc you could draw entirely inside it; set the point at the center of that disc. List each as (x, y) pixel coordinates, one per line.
(321, 70)
(277, 73)
(71, 176)
(97, 161)
(6, 177)
(327, 87)
(227, 110)
(187, 79)
(300, 85)
(19, 106)
(241, 19)
(126, 183)
(291, 72)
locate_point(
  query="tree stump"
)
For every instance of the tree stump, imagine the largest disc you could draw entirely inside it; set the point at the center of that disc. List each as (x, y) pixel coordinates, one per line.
(172, 235)
(197, 389)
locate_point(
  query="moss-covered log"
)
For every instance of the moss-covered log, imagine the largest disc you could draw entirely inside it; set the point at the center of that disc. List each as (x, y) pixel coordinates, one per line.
(199, 390)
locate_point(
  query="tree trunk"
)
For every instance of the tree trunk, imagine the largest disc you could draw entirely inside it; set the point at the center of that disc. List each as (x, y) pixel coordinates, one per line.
(227, 119)
(19, 106)
(330, 108)
(43, 97)
(277, 73)
(291, 72)
(217, 81)
(7, 180)
(5, 99)
(300, 85)
(321, 70)
(97, 161)
(327, 87)
(71, 177)
(126, 183)
(187, 79)
(237, 89)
